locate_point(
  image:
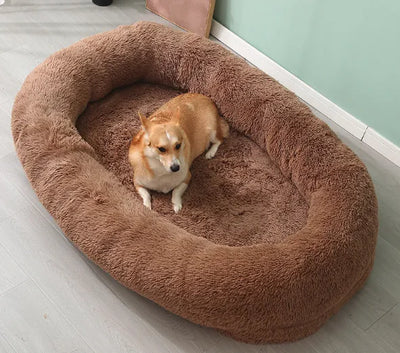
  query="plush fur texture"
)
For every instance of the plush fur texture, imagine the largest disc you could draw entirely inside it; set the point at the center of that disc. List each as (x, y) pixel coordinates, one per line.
(277, 232)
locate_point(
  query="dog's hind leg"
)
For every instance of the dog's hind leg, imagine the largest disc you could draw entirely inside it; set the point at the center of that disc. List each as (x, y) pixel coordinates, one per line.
(215, 142)
(216, 137)
(213, 149)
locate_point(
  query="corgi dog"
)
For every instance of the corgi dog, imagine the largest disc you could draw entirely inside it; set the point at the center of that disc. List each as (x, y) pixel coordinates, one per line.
(170, 139)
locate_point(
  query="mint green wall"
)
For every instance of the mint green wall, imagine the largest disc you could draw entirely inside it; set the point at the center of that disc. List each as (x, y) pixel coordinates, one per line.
(348, 50)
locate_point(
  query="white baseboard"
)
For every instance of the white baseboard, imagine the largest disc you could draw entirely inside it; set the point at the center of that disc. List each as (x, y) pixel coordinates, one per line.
(344, 119)
(382, 145)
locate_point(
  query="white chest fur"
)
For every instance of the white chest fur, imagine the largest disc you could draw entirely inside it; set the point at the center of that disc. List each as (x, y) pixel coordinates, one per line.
(162, 180)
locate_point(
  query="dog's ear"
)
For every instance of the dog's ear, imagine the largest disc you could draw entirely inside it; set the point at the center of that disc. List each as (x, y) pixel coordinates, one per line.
(143, 121)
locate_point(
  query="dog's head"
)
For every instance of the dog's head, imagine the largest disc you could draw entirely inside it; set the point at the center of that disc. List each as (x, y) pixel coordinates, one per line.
(165, 142)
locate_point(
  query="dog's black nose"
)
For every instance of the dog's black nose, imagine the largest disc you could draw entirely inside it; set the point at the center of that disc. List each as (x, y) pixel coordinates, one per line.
(175, 167)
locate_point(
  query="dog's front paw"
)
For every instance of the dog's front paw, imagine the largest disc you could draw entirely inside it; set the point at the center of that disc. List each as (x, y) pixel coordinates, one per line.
(210, 154)
(177, 206)
(147, 203)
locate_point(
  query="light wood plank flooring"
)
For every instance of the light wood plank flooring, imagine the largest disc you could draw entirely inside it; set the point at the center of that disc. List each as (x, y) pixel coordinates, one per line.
(52, 299)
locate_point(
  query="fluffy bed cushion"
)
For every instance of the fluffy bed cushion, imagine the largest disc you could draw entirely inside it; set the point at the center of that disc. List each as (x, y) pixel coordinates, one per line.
(277, 232)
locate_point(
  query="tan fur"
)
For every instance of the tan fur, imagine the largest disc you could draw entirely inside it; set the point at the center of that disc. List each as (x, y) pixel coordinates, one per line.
(190, 121)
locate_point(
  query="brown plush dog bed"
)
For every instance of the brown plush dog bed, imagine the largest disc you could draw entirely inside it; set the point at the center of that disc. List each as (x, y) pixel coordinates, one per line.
(276, 233)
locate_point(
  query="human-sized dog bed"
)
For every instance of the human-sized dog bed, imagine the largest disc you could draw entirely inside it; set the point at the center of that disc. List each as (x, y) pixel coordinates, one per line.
(277, 231)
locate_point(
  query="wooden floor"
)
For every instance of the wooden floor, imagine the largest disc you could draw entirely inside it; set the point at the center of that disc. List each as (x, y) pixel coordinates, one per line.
(52, 299)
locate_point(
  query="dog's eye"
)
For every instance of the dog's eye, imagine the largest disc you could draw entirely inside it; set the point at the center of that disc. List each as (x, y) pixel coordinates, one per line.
(178, 146)
(162, 149)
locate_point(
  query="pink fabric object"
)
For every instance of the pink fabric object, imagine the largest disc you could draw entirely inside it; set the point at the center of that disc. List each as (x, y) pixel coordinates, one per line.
(191, 15)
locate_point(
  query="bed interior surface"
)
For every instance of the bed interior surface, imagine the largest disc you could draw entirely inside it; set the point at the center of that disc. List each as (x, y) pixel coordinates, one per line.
(238, 198)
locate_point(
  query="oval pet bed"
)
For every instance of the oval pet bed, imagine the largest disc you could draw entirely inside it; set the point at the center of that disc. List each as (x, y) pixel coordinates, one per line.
(276, 233)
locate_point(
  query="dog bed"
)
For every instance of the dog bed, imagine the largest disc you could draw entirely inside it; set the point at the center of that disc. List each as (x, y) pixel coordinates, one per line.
(276, 233)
